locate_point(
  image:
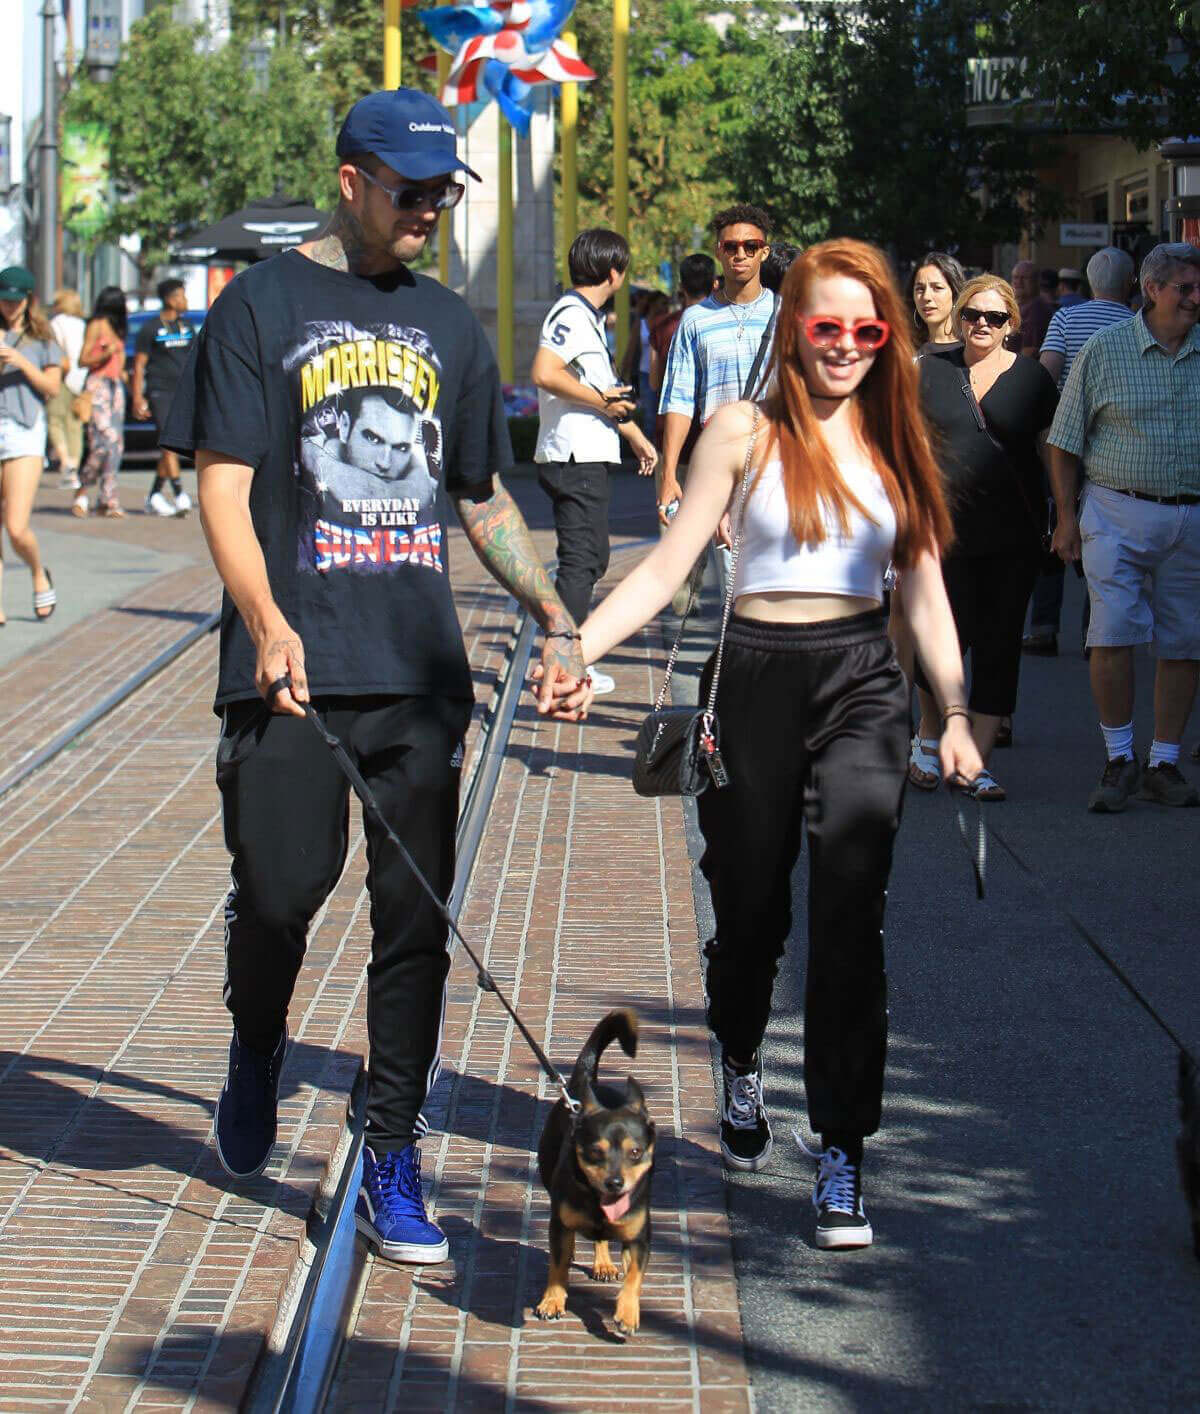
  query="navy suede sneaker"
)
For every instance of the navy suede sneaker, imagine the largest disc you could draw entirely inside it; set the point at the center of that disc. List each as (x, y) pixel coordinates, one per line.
(390, 1212)
(244, 1125)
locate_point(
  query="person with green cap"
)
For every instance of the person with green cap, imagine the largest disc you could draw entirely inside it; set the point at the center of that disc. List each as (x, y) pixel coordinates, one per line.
(31, 371)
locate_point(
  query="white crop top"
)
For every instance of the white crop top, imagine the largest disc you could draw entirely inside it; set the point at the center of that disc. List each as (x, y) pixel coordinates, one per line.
(771, 561)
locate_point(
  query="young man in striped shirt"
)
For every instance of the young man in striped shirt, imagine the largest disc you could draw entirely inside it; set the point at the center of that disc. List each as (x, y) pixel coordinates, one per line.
(714, 347)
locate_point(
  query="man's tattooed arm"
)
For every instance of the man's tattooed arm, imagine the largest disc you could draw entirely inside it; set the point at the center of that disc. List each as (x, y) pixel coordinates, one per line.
(498, 533)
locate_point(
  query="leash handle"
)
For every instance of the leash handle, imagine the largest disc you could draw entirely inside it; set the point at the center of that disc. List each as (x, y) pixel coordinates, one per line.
(486, 981)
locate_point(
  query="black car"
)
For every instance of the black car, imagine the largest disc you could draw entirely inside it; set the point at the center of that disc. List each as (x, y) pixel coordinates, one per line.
(141, 438)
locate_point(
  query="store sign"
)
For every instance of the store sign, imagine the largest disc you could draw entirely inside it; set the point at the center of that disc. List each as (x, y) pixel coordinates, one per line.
(992, 81)
(1085, 233)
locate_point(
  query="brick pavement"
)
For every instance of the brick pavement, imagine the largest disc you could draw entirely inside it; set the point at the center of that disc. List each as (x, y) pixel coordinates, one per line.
(582, 895)
(132, 1272)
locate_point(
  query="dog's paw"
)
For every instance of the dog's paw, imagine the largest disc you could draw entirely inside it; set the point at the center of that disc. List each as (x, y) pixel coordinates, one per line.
(551, 1307)
(605, 1271)
(628, 1316)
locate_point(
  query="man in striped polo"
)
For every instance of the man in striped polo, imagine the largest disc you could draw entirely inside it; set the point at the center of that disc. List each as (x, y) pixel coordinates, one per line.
(1110, 276)
(1127, 430)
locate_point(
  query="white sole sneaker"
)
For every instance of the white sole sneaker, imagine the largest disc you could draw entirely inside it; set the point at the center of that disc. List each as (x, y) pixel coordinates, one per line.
(735, 1161)
(842, 1238)
(410, 1253)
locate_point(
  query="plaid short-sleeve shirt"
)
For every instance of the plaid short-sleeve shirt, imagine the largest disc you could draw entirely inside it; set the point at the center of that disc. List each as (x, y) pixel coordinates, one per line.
(1129, 411)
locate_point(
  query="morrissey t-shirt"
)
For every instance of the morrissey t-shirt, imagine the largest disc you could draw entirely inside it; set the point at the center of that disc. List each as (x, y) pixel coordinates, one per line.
(354, 399)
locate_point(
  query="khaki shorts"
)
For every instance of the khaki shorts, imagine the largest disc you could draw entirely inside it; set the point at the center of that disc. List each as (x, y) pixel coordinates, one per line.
(1142, 563)
(66, 430)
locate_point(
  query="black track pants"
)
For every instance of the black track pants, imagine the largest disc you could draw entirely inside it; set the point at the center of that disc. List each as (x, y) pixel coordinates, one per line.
(287, 819)
(814, 728)
(579, 492)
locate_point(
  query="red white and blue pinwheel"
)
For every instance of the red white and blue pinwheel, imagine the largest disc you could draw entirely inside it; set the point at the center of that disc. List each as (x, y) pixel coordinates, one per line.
(503, 51)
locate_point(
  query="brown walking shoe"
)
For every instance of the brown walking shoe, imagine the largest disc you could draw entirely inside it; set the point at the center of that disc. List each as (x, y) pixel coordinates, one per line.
(1165, 784)
(1117, 784)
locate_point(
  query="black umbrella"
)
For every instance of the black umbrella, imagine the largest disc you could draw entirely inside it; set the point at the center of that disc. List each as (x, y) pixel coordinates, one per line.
(261, 229)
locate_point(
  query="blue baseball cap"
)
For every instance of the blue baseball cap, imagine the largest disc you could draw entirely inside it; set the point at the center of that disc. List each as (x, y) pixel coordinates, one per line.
(405, 128)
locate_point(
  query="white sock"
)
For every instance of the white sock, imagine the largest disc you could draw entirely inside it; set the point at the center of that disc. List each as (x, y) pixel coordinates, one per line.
(1118, 741)
(1164, 753)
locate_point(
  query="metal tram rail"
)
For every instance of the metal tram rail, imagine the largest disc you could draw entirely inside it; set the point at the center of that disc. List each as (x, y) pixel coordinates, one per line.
(296, 1376)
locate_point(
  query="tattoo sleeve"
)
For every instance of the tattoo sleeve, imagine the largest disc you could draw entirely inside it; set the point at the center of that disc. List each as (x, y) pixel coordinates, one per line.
(499, 536)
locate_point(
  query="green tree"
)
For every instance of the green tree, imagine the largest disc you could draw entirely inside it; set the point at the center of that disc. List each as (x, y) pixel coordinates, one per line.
(1103, 65)
(192, 139)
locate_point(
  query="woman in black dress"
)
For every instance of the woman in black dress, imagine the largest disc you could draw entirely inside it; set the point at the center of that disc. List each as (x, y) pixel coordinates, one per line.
(990, 411)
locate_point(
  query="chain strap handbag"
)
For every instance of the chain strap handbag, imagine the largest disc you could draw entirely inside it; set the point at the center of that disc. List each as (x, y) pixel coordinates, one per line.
(678, 749)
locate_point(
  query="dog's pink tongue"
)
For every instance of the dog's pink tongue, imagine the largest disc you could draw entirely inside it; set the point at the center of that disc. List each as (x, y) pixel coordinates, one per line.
(613, 1211)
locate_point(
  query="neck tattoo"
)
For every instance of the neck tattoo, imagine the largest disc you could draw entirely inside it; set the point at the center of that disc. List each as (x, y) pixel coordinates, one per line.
(749, 308)
(341, 247)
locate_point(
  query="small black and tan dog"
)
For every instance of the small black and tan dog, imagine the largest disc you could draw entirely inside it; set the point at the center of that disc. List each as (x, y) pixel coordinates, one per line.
(596, 1167)
(1188, 1144)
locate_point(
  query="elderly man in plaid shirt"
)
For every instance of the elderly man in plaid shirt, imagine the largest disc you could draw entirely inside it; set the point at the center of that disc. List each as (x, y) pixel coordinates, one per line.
(1128, 422)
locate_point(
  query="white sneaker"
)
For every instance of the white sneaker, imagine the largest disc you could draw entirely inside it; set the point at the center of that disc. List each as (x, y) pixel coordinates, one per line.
(69, 481)
(601, 682)
(158, 505)
(183, 503)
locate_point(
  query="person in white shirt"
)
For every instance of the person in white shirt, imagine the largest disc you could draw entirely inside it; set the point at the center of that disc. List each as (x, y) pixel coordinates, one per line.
(584, 411)
(65, 428)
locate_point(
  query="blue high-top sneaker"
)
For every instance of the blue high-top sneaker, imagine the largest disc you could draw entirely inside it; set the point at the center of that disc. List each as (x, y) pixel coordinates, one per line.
(245, 1122)
(390, 1212)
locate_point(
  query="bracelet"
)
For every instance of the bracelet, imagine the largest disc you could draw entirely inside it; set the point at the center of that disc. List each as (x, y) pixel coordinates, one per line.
(566, 633)
(955, 711)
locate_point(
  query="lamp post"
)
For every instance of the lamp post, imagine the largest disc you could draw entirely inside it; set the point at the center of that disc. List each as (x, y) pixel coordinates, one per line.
(48, 160)
(392, 43)
(570, 166)
(1183, 204)
(621, 154)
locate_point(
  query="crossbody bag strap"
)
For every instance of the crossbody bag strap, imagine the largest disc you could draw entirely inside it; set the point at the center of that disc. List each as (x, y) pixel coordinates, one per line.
(733, 564)
(694, 592)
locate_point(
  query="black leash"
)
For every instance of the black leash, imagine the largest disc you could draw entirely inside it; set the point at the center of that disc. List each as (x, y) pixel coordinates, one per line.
(486, 981)
(978, 856)
(976, 853)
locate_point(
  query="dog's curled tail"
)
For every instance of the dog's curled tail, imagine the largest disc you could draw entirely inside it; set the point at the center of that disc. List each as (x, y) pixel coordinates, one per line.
(621, 1025)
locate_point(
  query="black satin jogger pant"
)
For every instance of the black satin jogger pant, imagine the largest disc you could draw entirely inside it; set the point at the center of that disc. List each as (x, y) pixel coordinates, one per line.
(814, 729)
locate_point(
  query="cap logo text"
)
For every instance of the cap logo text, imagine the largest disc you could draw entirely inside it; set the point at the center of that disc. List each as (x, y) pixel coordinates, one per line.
(430, 128)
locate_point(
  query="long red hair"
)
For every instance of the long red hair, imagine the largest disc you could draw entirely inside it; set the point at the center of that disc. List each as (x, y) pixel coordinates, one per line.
(887, 403)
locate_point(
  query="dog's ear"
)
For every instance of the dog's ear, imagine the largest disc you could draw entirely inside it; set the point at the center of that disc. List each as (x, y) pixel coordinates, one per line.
(634, 1097)
(588, 1099)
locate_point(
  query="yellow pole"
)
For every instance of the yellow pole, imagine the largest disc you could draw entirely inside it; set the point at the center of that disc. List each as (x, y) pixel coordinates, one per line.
(621, 154)
(392, 51)
(504, 252)
(570, 165)
(446, 220)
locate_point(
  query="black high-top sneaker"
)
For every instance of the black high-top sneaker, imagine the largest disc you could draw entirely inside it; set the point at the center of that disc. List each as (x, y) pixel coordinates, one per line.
(837, 1197)
(745, 1129)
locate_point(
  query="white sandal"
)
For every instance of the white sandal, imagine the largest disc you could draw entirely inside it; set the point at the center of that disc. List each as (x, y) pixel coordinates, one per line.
(924, 764)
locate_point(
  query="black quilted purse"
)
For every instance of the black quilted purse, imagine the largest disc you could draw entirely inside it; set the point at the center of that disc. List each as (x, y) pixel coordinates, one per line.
(678, 749)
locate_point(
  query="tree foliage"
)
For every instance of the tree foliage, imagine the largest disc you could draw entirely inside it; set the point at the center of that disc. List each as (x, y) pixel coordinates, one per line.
(192, 138)
(1092, 65)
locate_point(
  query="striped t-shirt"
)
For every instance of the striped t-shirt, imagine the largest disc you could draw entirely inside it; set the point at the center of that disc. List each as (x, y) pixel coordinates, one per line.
(712, 354)
(1072, 326)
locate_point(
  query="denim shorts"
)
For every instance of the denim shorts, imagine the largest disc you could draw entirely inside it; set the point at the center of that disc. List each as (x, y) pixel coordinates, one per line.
(1142, 564)
(19, 441)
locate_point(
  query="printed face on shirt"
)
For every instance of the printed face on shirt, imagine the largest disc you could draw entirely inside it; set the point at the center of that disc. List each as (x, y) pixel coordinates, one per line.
(379, 438)
(837, 371)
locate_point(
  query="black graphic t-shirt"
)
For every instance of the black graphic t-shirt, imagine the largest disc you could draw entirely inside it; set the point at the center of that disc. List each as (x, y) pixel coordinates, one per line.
(354, 400)
(166, 348)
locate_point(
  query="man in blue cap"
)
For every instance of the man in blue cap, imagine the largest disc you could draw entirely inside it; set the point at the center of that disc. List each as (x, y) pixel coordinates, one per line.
(337, 585)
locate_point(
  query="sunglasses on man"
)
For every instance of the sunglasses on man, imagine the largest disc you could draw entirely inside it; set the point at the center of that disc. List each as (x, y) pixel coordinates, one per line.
(996, 318)
(414, 198)
(750, 247)
(823, 331)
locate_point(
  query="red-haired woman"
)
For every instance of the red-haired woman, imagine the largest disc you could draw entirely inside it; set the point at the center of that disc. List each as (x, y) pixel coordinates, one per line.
(813, 708)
